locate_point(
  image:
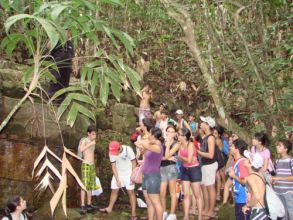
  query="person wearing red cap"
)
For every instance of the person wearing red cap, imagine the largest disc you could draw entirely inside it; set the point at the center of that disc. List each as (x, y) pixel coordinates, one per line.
(123, 162)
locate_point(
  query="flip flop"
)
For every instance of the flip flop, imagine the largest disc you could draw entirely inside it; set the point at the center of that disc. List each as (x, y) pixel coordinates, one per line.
(104, 210)
(134, 218)
(205, 216)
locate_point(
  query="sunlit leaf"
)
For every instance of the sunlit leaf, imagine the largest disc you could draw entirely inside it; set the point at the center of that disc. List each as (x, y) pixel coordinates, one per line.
(56, 11)
(65, 90)
(72, 115)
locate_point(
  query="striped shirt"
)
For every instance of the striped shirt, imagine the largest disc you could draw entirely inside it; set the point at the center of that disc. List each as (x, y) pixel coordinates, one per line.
(284, 167)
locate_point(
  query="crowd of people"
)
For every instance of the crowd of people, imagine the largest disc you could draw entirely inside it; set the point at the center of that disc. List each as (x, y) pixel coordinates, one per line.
(200, 158)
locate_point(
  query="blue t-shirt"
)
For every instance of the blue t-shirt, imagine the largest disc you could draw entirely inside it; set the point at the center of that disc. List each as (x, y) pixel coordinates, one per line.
(225, 146)
(192, 126)
(238, 189)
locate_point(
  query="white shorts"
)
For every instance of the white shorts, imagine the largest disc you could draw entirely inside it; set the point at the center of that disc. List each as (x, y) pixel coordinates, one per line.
(209, 174)
(125, 182)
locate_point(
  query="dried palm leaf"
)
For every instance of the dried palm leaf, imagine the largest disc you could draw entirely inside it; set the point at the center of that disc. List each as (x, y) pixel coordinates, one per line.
(48, 164)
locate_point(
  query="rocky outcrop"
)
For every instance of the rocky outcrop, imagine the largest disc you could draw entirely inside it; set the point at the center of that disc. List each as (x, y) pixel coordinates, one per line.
(124, 119)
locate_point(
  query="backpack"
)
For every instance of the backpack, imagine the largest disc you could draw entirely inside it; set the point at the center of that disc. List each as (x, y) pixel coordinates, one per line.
(218, 156)
(79, 153)
(226, 147)
(273, 204)
(24, 216)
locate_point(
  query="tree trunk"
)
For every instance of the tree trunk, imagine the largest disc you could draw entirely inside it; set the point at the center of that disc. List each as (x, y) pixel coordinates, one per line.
(183, 18)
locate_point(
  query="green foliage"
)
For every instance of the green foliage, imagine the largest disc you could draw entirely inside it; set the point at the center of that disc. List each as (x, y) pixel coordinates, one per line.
(101, 74)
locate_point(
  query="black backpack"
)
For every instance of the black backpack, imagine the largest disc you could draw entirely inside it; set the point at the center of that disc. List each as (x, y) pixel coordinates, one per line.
(218, 156)
(24, 216)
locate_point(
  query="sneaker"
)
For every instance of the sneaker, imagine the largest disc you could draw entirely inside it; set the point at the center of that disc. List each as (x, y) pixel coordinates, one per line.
(165, 215)
(91, 208)
(171, 217)
(82, 210)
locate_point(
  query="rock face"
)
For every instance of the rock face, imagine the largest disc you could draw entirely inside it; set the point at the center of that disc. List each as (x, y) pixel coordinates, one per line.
(23, 139)
(124, 119)
(16, 167)
(27, 123)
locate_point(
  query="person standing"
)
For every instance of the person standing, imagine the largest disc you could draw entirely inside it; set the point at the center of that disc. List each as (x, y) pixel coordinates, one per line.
(123, 162)
(238, 173)
(181, 123)
(209, 166)
(255, 183)
(86, 149)
(191, 172)
(158, 114)
(169, 172)
(283, 181)
(192, 124)
(260, 141)
(152, 150)
(144, 106)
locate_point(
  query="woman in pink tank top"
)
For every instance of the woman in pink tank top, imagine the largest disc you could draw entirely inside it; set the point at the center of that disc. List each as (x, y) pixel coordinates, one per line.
(191, 172)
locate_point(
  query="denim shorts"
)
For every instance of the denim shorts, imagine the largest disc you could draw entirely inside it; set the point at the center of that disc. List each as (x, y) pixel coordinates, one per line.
(192, 174)
(169, 172)
(151, 182)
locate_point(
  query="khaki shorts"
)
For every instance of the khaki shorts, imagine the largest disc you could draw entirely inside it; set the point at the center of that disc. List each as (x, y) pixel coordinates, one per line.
(209, 174)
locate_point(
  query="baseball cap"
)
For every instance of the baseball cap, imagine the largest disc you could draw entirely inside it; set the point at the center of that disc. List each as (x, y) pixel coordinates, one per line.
(164, 105)
(179, 112)
(209, 120)
(114, 148)
(255, 159)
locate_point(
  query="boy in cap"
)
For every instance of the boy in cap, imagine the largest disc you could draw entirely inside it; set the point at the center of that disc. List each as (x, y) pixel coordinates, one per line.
(181, 123)
(123, 162)
(209, 166)
(256, 187)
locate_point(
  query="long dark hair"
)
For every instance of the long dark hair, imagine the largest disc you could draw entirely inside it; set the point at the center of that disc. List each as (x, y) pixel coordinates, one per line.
(149, 123)
(220, 130)
(262, 137)
(186, 133)
(157, 133)
(11, 204)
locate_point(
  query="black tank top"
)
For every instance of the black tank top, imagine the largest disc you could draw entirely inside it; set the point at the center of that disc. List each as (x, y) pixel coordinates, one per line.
(205, 148)
(165, 163)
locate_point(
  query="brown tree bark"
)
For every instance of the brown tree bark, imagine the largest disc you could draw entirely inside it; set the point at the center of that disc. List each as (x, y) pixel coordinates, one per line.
(187, 25)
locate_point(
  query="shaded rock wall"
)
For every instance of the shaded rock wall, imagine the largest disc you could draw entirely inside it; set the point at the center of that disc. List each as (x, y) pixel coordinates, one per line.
(22, 140)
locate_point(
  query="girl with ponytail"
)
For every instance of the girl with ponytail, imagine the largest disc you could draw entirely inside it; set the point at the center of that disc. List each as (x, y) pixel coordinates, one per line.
(14, 209)
(191, 172)
(152, 148)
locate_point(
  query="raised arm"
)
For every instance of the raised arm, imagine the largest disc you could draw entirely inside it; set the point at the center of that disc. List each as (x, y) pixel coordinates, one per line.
(85, 146)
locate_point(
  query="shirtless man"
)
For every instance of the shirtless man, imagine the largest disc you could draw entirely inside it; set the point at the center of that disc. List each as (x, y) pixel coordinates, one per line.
(144, 106)
(256, 188)
(158, 114)
(88, 169)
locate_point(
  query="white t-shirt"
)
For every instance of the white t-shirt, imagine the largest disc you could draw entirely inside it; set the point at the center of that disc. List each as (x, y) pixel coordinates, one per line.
(123, 161)
(22, 217)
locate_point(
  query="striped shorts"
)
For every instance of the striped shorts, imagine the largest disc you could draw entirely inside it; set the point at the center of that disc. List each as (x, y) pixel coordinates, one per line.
(258, 214)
